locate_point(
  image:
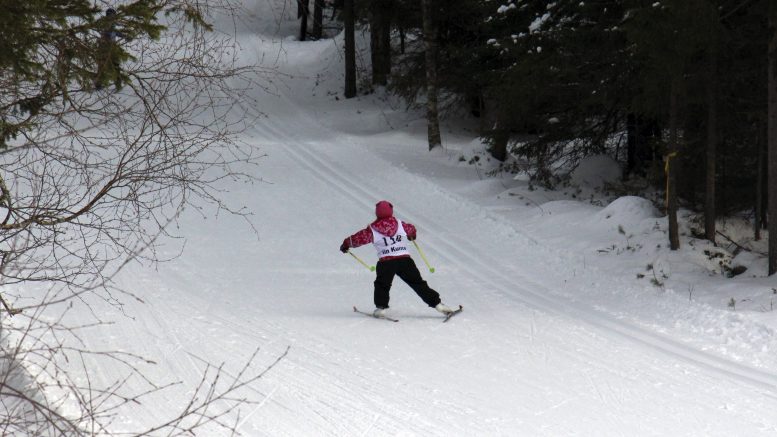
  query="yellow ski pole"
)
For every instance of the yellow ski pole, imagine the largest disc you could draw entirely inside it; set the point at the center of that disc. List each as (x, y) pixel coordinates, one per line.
(371, 268)
(423, 257)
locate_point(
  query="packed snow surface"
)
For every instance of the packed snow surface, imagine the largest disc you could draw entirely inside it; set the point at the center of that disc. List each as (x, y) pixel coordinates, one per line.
(578, 320)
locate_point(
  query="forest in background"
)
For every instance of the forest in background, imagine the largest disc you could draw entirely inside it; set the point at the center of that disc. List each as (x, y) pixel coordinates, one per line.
(681, 92)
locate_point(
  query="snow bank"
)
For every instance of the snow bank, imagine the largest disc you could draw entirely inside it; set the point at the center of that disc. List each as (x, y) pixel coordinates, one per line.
(595, 171)
(628, 209)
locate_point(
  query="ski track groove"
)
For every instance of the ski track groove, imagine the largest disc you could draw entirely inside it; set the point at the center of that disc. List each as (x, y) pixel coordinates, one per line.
(505, 284)
(305, 370)
(291, 379)
(390, 413)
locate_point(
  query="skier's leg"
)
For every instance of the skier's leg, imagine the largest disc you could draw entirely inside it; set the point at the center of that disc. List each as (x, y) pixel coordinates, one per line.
(385, 276)
(409, 273)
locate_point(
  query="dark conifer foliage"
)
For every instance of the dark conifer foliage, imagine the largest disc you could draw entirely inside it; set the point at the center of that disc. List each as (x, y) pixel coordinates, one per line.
(646, 81)
(47, 46)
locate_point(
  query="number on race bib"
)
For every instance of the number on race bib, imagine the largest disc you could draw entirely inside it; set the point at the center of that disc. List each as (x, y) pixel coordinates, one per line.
(395, 239)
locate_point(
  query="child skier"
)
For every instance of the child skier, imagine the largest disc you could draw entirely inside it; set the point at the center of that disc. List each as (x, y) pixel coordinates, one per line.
(389, 235)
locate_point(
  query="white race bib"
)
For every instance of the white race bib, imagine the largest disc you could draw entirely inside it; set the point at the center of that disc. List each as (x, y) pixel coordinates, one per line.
(395, 245)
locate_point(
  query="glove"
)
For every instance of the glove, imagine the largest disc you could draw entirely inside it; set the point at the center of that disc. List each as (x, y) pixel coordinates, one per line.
(344, 247)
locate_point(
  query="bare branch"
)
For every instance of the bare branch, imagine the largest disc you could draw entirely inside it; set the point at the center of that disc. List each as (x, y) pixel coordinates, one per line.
(99, 156)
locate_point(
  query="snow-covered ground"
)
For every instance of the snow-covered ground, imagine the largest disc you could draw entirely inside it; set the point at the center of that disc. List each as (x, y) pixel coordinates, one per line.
(578, 320)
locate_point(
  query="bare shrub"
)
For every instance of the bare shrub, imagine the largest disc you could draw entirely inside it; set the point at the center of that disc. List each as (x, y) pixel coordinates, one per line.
(95, 169)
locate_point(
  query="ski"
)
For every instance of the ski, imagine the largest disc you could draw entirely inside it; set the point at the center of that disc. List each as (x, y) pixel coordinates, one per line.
(451, 314)
(447, 316)
(356, 310)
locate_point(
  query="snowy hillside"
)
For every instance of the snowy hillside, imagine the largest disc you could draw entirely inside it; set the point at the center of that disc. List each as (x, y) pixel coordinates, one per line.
(578, 320)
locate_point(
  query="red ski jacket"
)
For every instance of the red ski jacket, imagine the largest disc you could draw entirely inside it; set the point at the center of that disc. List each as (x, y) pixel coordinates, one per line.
(386, 226)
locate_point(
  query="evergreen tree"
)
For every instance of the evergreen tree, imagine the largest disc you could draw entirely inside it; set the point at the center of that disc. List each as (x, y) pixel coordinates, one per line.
(559, 72)
(431, 56)
(772, 136)
(318, 19)
(380, 15)
(46, 48)
(350, 49)
(303, 12)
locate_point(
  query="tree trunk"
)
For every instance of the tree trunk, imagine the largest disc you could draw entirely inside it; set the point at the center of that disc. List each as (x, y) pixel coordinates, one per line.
(498, 149)
(631, 144)
(385, 39)
(759, 189)
(772, 139)
(712, 143)
(380, 40)
(304, 11)
(430, 38)
(336, 4)
(318, 19)
(401, 39)
(350, 49)
(377, 77)
(763, 147)
(501, 138)
(671, 165)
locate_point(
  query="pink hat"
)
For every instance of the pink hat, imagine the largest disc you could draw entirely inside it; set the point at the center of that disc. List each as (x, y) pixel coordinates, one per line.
(384, 209)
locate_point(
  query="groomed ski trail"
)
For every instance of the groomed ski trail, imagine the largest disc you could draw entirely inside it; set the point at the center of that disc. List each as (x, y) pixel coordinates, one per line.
(489, 278)
(516, 285)
(526, 358)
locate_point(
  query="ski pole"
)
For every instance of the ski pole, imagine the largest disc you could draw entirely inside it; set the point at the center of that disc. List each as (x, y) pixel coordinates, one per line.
(423, 257)
(371, 268)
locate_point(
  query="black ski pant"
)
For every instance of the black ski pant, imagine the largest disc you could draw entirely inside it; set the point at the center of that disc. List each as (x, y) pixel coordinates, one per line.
(406, 269)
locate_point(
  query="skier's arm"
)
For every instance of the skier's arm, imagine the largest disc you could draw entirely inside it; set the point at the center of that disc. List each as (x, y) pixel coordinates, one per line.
(409, 230)
(358, 239)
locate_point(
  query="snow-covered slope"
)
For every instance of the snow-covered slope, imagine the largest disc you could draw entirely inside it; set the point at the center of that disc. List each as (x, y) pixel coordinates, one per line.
(559, 336)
